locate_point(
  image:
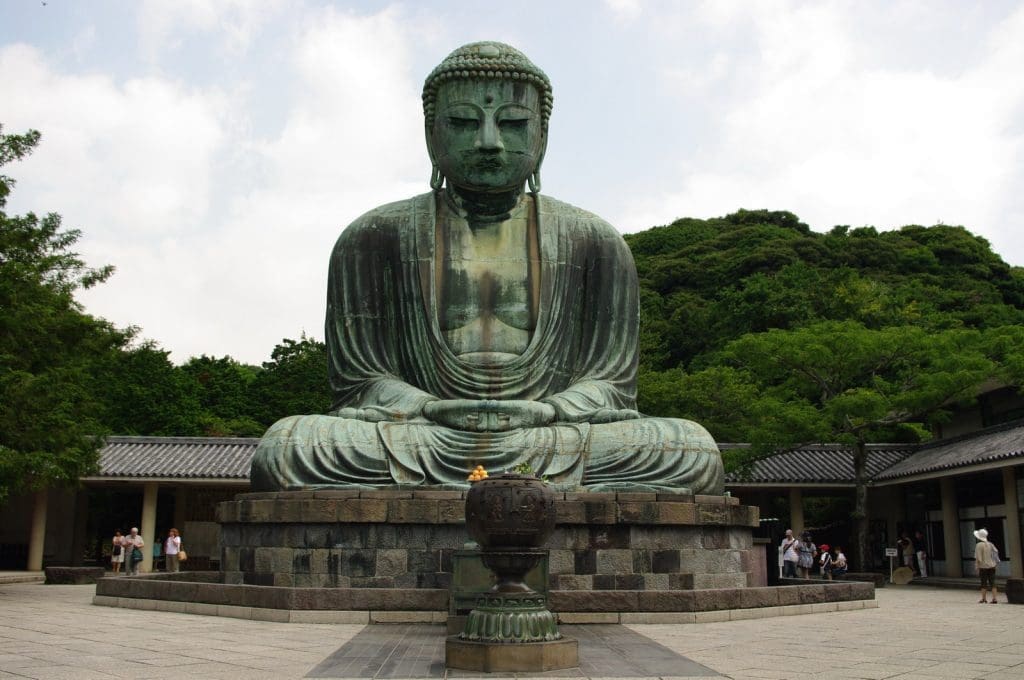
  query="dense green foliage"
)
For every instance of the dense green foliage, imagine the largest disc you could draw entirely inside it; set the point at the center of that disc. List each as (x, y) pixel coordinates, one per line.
(706, 283)
(48, 418)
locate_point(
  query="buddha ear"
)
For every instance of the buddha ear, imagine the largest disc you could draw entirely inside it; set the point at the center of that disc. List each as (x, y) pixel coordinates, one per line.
(436, 178)
(534, 180)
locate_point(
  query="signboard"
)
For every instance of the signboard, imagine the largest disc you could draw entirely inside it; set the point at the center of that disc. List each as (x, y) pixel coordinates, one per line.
(891, 552)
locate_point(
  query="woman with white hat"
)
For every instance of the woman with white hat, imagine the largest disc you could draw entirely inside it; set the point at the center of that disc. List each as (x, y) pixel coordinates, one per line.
(986, 557)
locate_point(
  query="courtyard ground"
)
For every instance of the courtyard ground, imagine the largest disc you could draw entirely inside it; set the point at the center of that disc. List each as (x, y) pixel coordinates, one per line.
(915, 633)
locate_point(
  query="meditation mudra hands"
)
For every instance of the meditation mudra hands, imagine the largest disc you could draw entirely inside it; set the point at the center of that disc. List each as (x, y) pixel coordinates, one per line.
(489, 415)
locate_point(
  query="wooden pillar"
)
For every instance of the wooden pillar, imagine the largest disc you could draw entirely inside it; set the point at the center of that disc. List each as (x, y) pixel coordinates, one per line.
(37, 535)
(1012, 548)
(796, 511)
(148, 528)
(180, 498)
(951, 529)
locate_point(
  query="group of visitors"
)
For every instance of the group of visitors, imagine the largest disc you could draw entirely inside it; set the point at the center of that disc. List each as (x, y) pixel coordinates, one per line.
(127, 549)
(914, 553)
(802, 554)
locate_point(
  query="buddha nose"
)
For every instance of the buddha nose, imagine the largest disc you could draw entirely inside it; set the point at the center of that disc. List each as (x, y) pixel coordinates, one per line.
(489, 138)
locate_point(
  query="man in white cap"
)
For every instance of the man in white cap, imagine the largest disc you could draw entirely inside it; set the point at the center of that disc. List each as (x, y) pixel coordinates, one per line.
(986, 558)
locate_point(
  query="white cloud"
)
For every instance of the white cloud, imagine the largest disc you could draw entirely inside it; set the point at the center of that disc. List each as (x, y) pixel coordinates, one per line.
(823, 131)
(221, 236)
(625, 10)
(165, 26)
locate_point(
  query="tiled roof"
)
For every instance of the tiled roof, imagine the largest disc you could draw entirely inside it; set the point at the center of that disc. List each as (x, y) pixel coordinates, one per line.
(227, 458)
(823, 464)
(976, 448)
(177, 457)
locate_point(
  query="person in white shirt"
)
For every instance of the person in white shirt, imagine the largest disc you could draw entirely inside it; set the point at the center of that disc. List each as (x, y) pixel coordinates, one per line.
(986, 559)
(171, 549)
(790, 554)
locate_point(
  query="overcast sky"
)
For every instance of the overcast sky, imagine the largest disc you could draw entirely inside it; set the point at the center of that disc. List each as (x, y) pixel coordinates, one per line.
(213, 150)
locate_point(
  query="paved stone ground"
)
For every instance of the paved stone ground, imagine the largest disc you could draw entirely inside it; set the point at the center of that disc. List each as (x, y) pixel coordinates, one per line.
(915, 633)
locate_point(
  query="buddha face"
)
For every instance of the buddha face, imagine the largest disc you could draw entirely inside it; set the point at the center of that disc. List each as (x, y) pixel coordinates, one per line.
(487, 134)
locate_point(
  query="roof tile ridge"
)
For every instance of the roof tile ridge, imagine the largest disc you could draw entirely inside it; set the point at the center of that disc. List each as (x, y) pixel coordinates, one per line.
(992, 429)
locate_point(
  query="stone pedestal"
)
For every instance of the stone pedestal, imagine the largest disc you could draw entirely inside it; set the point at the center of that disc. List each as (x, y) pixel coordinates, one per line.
(407, 539)
(529, 657)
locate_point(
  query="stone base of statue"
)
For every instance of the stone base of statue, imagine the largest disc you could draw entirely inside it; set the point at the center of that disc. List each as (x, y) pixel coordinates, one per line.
(400, 556)
(497, 657)
(603, 543)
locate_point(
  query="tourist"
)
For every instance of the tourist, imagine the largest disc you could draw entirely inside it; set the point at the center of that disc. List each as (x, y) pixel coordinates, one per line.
(806, 550)
(839, 563)
(825, 561)
(117, 552)
(133, 545)
(171, 548)
(920, 550)
(986, 559)
(790, 556)
(906, 547)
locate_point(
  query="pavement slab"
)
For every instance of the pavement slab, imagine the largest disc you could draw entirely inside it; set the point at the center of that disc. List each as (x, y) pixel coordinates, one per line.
(915, 633)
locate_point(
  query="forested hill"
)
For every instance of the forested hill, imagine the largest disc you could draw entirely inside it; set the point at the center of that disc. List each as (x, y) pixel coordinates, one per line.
(707, 282)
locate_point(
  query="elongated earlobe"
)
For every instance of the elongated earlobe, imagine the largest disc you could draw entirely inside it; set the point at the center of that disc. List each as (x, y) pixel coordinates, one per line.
(534, 181)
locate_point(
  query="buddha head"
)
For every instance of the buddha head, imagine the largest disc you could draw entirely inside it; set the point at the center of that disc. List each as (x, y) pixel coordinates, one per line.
(486, 109)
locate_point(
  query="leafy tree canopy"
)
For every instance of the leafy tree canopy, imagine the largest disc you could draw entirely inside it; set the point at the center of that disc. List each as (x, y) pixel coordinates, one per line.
(707, 282)
(49, 419)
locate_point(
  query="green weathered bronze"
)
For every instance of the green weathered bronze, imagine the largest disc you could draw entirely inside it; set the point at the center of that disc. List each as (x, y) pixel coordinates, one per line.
(479, 324)
(511, 618)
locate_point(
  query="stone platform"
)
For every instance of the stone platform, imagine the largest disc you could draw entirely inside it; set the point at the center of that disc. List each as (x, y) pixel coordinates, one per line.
(388, 556)
(407, 539)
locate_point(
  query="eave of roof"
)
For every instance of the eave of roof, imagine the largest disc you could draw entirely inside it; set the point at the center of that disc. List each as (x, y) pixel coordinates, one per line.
(815, 465)
(175, 458)
(986, 449)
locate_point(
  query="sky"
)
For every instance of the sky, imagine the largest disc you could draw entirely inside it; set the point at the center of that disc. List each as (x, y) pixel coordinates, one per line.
(213, 150)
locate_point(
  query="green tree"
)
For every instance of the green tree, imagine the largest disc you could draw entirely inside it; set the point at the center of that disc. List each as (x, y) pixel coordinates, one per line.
(293, 382)
(141, 392)
(224, 387)
(843, 382)
(49, 419)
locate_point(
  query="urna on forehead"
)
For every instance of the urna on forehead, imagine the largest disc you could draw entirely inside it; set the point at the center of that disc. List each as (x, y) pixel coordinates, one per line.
(486, 61)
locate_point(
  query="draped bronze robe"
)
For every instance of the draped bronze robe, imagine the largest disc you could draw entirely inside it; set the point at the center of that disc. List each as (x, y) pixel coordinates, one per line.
(388, 355)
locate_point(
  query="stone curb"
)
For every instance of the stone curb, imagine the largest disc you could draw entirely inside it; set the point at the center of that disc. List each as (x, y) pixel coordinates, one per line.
(439, 617)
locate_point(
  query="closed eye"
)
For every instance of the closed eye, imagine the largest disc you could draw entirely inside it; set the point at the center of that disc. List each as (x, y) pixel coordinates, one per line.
(463, 123)
(513, 124)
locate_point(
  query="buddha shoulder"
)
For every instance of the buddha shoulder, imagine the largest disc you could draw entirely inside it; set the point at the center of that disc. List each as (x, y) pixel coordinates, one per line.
(384, 221)
(596, 228)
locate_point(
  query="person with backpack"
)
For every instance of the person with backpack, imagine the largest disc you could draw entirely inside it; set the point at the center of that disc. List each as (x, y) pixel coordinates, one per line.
(986, 559)
(790, 554)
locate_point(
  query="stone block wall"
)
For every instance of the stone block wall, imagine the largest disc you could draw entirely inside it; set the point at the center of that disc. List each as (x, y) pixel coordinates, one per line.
(405, 539)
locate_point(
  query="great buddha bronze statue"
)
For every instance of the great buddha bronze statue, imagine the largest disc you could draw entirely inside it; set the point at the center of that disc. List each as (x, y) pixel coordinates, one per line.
(480, 324)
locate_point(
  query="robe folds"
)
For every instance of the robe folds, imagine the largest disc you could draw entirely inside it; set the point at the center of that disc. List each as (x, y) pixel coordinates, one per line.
(388, 357)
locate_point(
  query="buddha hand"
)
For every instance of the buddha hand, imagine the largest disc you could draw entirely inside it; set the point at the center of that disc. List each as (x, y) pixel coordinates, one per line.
(489, 415)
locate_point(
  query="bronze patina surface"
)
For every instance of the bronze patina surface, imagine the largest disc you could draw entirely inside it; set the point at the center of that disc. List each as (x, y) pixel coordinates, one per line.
(482, 324)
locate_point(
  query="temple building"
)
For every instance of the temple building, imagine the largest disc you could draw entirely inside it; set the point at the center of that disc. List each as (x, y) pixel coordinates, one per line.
(971, 475)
